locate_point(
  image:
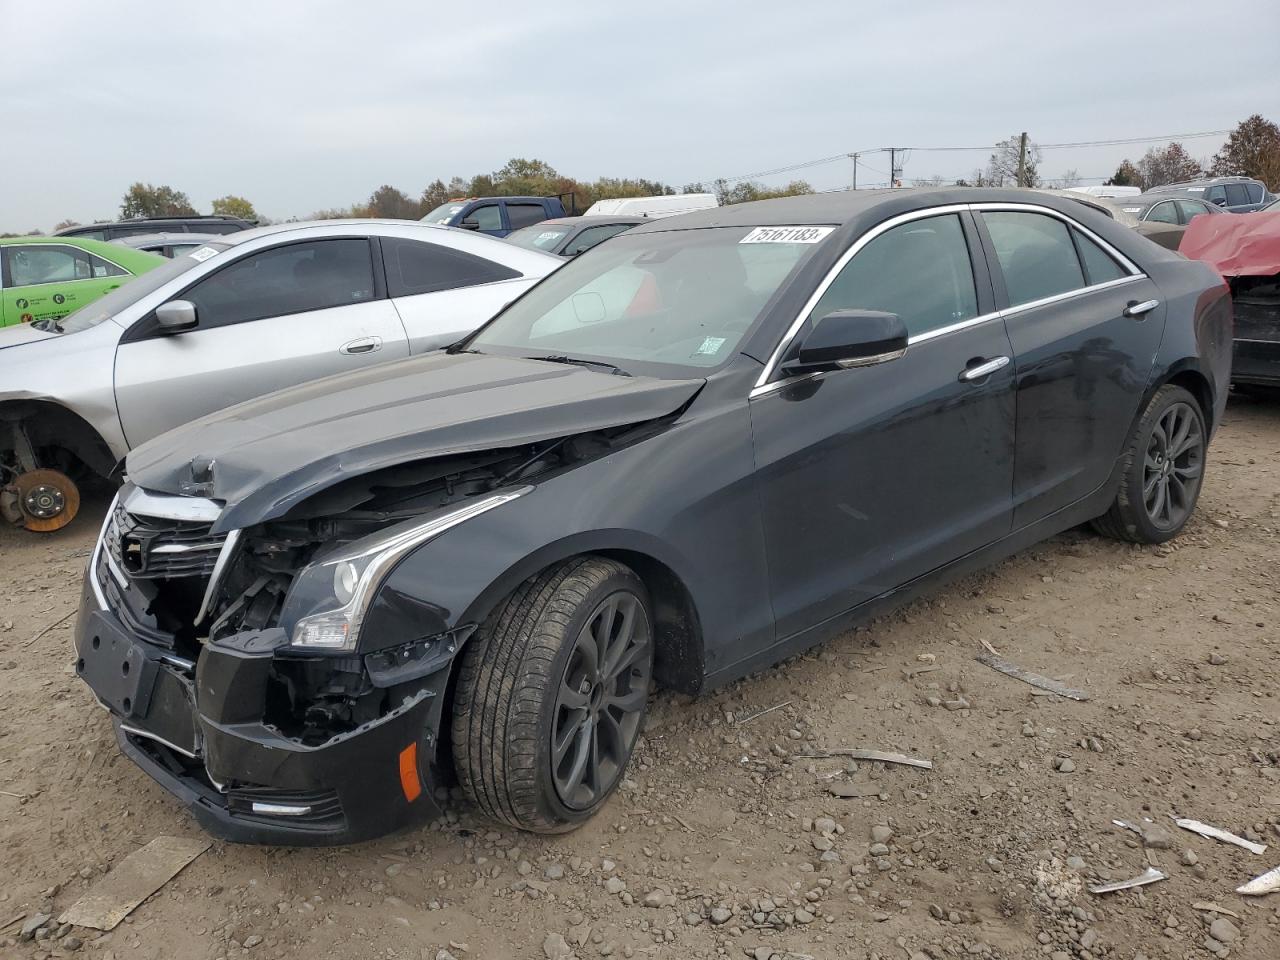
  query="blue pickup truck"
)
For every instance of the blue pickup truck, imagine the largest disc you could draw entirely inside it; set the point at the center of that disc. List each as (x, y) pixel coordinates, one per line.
(496, 216)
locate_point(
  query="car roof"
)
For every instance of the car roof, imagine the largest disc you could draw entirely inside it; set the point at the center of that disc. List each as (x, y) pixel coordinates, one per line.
(158, 221)
(587, 221)
(841, 207)
(142, 239)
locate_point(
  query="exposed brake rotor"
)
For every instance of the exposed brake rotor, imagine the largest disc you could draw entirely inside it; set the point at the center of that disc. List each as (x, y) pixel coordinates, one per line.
(46, 500)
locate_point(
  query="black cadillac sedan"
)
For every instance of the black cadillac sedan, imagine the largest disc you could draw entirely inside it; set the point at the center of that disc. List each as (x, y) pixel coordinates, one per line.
(710, 443)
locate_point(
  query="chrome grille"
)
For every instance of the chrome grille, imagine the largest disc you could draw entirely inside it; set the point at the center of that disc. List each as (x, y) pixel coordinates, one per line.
(155, 548)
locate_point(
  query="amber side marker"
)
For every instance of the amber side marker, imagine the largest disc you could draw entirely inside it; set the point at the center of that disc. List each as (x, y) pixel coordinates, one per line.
(409, 781)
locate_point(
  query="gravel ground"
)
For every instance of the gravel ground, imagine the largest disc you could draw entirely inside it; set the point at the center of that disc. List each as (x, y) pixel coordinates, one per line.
(733, 836)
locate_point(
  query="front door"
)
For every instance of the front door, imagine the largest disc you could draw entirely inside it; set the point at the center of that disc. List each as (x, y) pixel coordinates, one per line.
(1085, 330)
(269, 320)
(872, 476)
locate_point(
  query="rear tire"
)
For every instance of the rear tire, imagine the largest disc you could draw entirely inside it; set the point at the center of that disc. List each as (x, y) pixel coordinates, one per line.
(551, 695)
(1162, 471)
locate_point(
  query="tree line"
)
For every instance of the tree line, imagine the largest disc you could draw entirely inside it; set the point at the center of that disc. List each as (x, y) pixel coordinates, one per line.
(1251, 150)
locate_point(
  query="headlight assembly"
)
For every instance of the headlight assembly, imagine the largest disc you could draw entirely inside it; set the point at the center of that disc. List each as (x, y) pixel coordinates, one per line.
(343, 584)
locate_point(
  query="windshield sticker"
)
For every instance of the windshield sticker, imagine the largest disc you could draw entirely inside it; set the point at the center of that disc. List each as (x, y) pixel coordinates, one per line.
(1132, 209)
(710, 347)
(203, 254)
(547, 236)
(786, 235)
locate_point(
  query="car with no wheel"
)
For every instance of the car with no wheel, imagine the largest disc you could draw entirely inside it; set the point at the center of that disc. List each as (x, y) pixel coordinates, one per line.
(695, 450)
(236, 318)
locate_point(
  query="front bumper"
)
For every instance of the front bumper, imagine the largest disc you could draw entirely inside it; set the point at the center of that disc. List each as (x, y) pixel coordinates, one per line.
(200, 734)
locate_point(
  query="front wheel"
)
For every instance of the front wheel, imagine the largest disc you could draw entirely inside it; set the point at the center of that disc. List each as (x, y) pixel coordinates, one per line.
(551, 695)
(1163, 468)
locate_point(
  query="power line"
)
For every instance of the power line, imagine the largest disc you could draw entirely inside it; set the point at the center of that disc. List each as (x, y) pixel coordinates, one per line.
(804, 165)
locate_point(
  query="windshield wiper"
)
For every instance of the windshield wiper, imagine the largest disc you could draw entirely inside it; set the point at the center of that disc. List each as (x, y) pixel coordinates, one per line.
(579, 361)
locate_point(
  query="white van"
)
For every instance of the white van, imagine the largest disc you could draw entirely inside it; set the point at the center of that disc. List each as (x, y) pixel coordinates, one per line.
(1107, 191)
(665, 206)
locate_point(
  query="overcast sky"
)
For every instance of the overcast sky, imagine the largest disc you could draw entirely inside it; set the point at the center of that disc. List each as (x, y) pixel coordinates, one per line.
(300, 106)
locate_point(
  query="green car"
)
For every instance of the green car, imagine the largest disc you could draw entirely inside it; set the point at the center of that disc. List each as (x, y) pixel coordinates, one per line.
(48, 277)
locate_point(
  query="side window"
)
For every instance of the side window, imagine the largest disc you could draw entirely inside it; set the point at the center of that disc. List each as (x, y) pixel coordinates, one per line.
(489, 217)
(1099, 266)
(105, 268)
(525, 214)
(284, 280)
(1255, 192)
(919, 270)
(1190, 209)
(592, 236)
(213, 227)
(417, 267)
(1216, 194)
(1237, 195)
(38, 263)
(1036, 255)
(1163, 212)
(89, 234)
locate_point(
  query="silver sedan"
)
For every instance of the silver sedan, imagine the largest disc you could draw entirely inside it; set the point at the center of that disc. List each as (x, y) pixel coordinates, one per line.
(233, 319)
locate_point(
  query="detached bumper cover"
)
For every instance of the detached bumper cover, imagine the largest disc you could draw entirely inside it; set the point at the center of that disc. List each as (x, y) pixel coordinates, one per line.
(245, 781)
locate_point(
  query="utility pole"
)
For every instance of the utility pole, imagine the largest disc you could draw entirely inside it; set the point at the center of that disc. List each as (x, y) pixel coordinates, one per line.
(854, 157)
(893, 166)
(1022, 160)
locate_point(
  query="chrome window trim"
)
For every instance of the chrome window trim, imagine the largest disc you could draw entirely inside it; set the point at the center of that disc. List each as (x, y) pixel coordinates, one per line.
(168, 506)
(764, 385)
(834, 272)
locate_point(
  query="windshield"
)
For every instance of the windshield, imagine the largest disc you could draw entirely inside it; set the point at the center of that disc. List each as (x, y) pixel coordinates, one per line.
(538, 237)
(443, 213)
(680, 298)
(92, 314)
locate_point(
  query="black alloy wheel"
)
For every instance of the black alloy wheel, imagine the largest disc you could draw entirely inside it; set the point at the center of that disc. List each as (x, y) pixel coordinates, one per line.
(551, 695)
(601, 700)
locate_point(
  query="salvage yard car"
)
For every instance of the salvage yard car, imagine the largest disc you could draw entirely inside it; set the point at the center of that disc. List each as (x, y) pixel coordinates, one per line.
(312, 614)
(569, 236)
(44, 278)
(250, 313)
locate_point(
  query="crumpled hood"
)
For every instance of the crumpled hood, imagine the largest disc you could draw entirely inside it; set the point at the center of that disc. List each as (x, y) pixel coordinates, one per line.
(18, 334)
(1241, 245)
(272, 452)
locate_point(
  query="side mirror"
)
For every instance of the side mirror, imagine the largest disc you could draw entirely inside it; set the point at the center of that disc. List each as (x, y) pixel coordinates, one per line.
(176, 316)
(850, 338)
(470, 223)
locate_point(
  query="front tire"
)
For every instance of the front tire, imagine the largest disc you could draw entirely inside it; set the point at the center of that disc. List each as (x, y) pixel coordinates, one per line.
(1163, 468)
(551, 695)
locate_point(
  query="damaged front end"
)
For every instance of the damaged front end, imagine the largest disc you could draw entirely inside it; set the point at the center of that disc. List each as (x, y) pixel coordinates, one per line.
(263, 675)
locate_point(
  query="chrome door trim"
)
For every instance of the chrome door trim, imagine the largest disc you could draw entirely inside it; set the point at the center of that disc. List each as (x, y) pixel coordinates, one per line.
(839, 265)
(763, 383)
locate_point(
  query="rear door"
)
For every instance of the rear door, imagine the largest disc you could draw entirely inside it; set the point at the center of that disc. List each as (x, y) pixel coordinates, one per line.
(271, 319)
(1237, 198)
(1085, 325)
(442, 293)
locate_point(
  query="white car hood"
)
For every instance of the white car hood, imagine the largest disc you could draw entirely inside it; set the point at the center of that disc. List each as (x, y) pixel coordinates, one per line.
(22, 333)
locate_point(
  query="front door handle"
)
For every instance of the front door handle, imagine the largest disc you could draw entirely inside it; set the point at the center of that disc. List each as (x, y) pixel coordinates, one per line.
(983, 369)
(1136, 309)
(363, 345)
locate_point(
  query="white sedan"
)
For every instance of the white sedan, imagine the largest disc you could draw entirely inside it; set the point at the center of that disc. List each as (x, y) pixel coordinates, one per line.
(236, 318)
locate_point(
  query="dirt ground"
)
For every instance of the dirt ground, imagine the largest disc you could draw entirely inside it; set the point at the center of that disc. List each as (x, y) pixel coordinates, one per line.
(726, 840)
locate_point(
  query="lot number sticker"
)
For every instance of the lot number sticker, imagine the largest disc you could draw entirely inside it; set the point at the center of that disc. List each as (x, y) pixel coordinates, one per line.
(786, 235)
(203, 254)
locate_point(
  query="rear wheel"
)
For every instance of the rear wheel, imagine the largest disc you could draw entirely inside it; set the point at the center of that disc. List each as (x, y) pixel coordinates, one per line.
(44, 500)
(1163, 469)
(552, 693)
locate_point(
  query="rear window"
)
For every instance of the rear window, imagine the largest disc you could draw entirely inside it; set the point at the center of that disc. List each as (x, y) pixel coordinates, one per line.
(1036, 255)
(1237, 195)
(416, 267)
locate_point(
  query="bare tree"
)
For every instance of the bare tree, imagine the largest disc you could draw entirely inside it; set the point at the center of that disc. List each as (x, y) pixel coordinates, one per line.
(1002, 169)
(1171, 164)
(1069, 178)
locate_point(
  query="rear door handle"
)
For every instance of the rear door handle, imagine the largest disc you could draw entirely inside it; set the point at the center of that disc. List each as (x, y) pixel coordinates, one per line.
(983, 369)
(363, 345)
(1136, 309)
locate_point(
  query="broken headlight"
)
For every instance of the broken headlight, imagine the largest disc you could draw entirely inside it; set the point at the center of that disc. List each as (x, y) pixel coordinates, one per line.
(341, 586)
